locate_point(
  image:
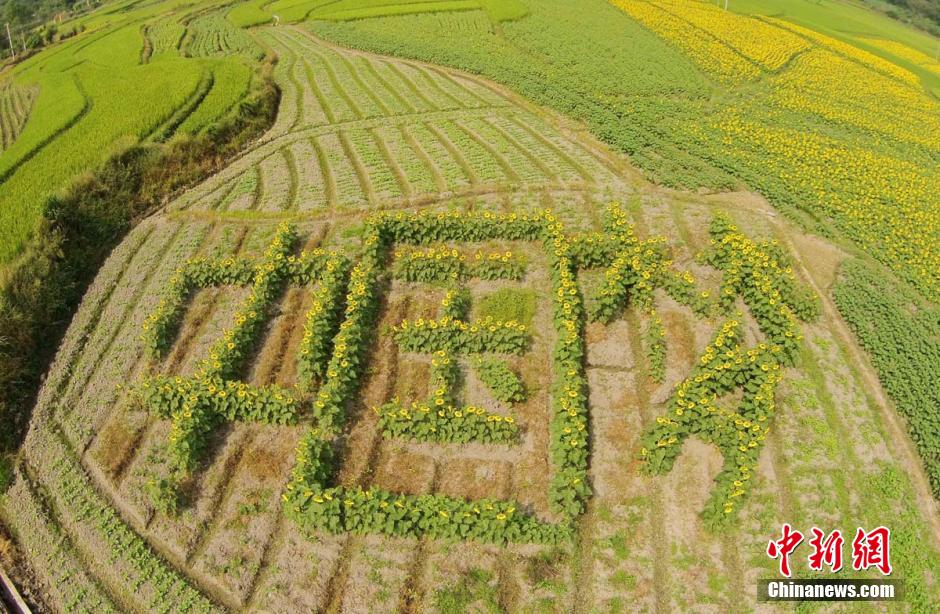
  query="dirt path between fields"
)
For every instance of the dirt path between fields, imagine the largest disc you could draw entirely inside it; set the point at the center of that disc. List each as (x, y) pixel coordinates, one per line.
(896, 429)
(906, 454)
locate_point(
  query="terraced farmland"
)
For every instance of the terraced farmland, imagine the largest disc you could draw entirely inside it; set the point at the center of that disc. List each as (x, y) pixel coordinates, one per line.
(211, 35)
(15, 104)
(761, 100)
(463, 170)
(357, 132)
(141, 73)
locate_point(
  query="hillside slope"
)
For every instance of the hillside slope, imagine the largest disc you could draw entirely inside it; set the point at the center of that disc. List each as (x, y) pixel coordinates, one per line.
(357, 134)
(130, 76)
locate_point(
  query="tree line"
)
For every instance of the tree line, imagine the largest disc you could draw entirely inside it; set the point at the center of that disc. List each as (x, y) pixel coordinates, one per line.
(30, 24)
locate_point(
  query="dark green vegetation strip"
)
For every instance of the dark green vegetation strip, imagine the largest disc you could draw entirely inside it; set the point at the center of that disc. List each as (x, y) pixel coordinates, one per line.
(688, 126)
(630, 87)
(41, 290)
(901, 333)
(889, 489)
(641, 95)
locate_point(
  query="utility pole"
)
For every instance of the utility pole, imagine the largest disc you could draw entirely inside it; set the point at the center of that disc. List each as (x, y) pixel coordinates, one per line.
(10, 38)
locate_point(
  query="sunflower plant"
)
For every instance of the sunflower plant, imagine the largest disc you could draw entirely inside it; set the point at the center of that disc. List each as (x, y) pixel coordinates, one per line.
(500, 379)
(759, 273)
(439, 418)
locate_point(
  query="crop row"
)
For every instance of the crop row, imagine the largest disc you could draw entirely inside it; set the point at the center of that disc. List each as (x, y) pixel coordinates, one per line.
(901, 333)
(231, 83)
(851, 52)
(443, 264)
(439, 418)
(355, 166)
(195, 405)
(901, 50)
(322, 320)
(723, 61)
(874, 185)
(92, 92)
(97, 527)
(211, 35)
(68, 583)
(313, 503)
(756, 40)
(835, 132)
(758, 273)
(15, 104)
(445, 148)
(364, 511)
(164, 36)
(616, 58)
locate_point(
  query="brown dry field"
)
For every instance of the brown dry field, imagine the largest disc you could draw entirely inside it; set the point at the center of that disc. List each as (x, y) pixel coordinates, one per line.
(640, 546)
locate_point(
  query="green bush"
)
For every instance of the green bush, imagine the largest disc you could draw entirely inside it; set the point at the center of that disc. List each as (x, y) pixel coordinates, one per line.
(655, 337)
(6, 471)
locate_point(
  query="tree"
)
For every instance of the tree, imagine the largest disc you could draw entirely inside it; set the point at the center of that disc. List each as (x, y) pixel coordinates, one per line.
(17, 12)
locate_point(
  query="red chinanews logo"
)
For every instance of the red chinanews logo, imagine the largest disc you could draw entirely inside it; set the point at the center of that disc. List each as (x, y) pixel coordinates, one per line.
(869, 549)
